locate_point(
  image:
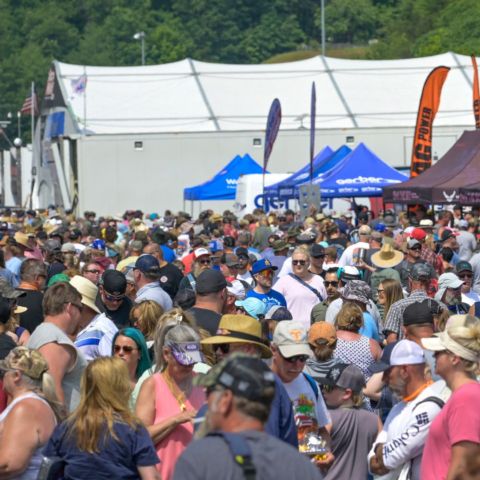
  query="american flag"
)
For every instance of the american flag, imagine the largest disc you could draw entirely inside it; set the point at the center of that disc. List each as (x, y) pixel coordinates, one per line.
(27, 104)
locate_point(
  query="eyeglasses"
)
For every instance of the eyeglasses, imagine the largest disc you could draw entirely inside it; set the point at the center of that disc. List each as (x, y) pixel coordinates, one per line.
(223, 347)
(113, 298)
(465, 275)
(299, 262)
(380, 290)
(205, 262)
(296, 358)
(125, 348)
(333, 283)
(96, 272)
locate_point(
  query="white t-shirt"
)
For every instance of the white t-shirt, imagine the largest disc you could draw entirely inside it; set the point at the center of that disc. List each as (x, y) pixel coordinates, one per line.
(246, 277)
(95, 340)
(305, 402)
(405, 432)
(347, 258)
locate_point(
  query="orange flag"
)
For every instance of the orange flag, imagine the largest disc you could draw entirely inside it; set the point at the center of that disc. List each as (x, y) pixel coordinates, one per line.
(476, 94)
(429, 103)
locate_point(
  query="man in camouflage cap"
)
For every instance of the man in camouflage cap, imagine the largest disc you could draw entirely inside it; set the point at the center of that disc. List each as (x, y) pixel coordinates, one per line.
(240, 390)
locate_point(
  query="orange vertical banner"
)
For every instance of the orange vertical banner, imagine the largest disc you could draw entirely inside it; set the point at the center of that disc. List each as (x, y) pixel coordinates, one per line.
(476, 94)
(429, 103)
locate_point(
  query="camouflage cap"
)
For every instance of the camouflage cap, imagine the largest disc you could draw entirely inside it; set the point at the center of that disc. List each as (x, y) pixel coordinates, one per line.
(421, 271)
(357, 290)
(29, 362)
(246, 376)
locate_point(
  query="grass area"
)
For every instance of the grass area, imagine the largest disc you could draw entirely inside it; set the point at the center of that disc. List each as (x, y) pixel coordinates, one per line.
(353, 52)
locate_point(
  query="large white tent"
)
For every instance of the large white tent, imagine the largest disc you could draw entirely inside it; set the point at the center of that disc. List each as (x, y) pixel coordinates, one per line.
(173, 125)
(192, 96)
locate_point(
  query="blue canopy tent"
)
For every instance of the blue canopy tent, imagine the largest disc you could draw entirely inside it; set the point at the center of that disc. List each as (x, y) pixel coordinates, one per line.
(289, 190)
(223, 185)
(360, 174)
(300, 175)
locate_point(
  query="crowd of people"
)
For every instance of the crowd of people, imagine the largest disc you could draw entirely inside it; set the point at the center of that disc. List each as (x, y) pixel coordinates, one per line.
(268, 346)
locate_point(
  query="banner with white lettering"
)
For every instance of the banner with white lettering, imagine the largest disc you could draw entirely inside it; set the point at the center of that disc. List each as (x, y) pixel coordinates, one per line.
(429, 103)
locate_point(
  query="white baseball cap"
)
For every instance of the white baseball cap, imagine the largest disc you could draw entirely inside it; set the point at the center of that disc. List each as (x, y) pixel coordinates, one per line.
(406, 352)
(201, 251)
(291, 339)
(236, 289)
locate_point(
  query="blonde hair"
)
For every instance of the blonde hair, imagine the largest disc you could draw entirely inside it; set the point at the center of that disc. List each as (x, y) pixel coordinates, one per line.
(105, 391)
(349, 318)
(302, 249)
(149, 314)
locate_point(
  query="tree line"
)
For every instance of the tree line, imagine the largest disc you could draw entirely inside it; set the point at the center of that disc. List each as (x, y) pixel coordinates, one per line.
(100, 32)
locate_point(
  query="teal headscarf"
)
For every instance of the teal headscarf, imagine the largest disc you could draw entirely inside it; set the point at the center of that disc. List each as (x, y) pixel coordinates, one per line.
(137, 336)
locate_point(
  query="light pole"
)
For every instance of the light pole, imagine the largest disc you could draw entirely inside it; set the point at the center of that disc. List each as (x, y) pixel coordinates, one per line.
(141, 36)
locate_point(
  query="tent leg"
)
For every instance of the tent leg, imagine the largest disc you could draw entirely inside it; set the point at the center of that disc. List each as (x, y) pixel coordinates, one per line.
(191, 208)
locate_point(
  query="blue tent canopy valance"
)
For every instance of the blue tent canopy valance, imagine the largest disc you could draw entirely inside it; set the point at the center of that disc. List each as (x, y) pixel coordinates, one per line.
(360, 174)
(223, 185)
(324, 161)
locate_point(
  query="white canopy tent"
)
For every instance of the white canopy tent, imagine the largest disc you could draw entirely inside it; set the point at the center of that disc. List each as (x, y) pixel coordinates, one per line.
(165, 127)
(192, 96)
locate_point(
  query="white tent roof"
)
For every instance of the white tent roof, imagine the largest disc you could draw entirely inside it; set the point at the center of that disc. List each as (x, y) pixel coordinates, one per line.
(192, 96)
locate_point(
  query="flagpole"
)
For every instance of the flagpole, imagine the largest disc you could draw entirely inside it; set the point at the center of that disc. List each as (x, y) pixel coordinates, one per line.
(85, 100)
(32, 112)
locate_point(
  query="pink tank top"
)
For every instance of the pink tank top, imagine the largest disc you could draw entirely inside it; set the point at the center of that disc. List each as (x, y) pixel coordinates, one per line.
(166, 405)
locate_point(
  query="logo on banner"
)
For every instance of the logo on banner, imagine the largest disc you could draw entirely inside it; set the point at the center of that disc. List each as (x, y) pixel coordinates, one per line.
(231, 181)
(449, 198)
(363, 180)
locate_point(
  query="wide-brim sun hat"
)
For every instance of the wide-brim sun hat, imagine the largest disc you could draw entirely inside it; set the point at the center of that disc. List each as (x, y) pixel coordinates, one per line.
(387, 257)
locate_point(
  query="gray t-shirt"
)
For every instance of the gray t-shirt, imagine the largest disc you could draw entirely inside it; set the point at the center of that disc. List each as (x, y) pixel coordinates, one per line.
(210, 458)
(50, 333)
(353, 433)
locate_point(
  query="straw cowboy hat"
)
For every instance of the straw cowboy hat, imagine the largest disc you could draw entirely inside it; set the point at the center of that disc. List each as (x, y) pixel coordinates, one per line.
(387, 257)
(22, 239)
(239, 329)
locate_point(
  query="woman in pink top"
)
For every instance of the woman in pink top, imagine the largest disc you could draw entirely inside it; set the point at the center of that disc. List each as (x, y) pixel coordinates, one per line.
(168, 401)
(455, 433)
(302, 290)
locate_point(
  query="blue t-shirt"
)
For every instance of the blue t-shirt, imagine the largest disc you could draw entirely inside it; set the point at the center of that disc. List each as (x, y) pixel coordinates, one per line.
(270, 299)
(116, 459)
(369, 328)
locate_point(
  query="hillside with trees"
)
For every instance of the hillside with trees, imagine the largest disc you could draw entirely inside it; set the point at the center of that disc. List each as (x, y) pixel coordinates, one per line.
(100, 32)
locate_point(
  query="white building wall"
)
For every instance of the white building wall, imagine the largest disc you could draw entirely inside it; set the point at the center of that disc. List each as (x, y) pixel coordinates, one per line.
(115, 176)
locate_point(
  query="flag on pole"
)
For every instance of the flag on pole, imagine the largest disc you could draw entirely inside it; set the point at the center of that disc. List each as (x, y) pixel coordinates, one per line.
(429, 103)
(476, 94)
(30, 105)
(273, 124)
(79, 85)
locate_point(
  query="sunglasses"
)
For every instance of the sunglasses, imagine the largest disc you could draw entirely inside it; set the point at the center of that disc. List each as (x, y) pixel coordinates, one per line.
(125, 348)
(96, 272)
(266, 273)
(205, 262)
(113, 298)
(77, 305)
(223, 347)
(416, 249)
(299, 262)
(465, 275)
(333, 283)
(328, 388)
(296, 358)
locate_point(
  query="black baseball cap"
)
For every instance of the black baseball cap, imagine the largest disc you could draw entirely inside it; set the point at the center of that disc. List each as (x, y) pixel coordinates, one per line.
(419, 313)
(114, 282)
(210, 281)
(147, 264)
(317, 251)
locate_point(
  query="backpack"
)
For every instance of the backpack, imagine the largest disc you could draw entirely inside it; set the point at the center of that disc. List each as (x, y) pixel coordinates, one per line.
(312, 384)
(240, 450)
